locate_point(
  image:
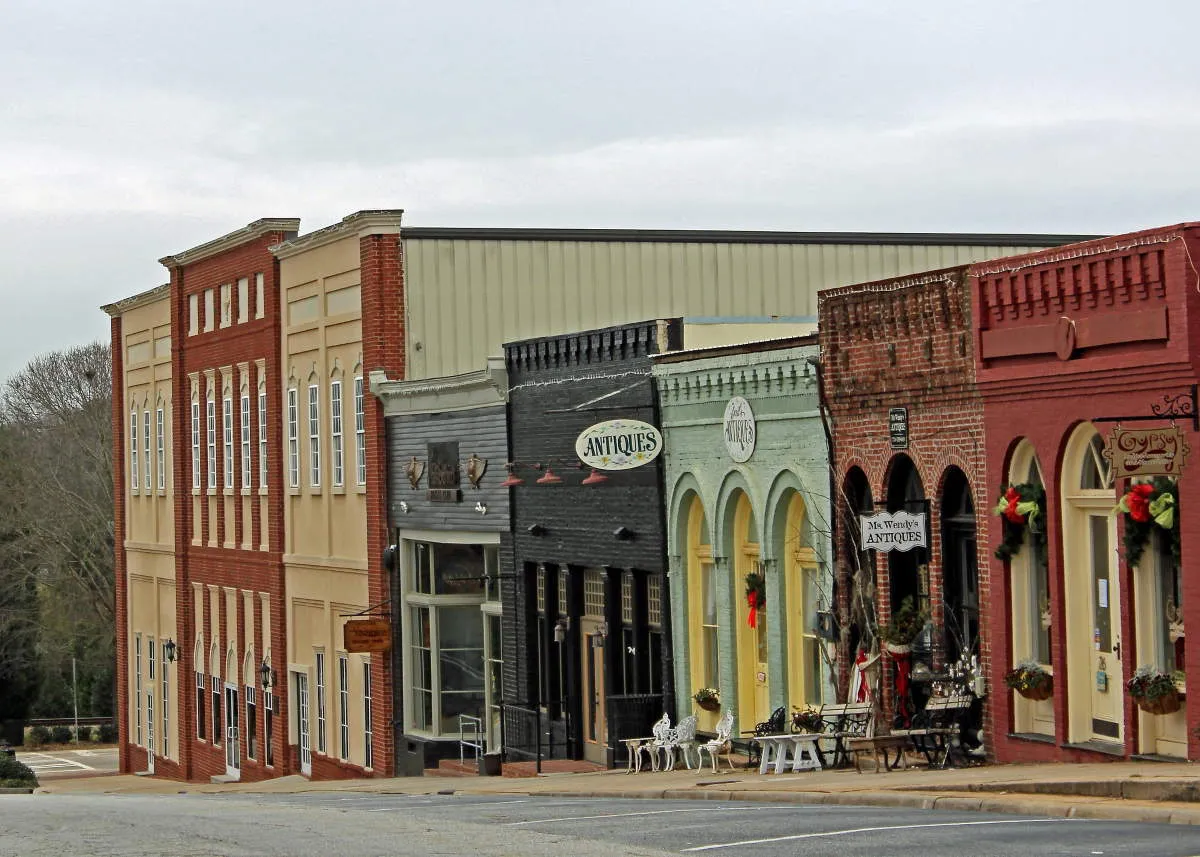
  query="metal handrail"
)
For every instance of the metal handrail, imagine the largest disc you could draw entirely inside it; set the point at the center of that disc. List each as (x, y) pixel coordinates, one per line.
(472, 727)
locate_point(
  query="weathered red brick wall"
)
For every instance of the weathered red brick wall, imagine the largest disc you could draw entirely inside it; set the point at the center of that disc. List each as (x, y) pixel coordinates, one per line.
(383, 329)
(1119, 295)
(905, 342)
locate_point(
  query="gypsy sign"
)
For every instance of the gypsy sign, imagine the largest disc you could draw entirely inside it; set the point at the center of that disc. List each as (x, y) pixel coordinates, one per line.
(893, 531)
(618, 445)
(1147, 452)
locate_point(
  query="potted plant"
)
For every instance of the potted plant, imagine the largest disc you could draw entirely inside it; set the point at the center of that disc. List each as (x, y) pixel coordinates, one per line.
(1031, 680)
(806, 719)
(708, 698)
(905, 626)
(1021, 508)
(1154, 691)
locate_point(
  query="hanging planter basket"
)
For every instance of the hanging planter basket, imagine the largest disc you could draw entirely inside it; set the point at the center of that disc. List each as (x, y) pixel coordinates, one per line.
(1039, 693)
(1167, 703)
(709, 704)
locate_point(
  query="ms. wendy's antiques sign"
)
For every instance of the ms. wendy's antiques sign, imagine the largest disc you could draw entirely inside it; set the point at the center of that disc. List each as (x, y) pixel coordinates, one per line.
(893, 531)
(1147, 452)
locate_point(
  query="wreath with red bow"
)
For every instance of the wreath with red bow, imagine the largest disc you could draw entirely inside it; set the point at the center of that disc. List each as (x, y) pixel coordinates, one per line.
(1022, 509)
(756, 596)
(1148, 505)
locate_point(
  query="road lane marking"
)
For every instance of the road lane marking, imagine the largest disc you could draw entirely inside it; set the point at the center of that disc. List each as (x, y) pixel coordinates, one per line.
(797, 836)
(723, 809)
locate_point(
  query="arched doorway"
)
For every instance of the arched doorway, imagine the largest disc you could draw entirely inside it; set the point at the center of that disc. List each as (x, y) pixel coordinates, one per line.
(803, 599)
(752, 672)
(854, 593)
(1092, 592)
(906, 493)
(703, 617)
(960, 568)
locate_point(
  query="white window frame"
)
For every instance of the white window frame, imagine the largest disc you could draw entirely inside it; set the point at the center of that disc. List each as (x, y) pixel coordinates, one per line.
(201, 689)
(314, 435)
(360, 433)
(227, 439)
(262, 436)
(148, 463)
(293, 436)
(137, 671)
(368, 731)
(336, 443)
(150, 681)
(344, 706)
(160, 445)
(134, 467)
(322, 744)
(245, 432)
(211, 425)
(166, 695)
(196, 444)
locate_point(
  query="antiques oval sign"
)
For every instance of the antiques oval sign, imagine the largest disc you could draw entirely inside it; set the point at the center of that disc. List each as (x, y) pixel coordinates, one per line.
(740, 431)
(618, 445)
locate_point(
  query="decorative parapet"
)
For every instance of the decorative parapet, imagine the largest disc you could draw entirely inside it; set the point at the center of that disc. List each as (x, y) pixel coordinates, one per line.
(580, 350)
(481, 389)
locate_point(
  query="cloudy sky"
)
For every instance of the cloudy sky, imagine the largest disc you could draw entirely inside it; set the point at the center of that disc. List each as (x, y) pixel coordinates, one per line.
(130, 129)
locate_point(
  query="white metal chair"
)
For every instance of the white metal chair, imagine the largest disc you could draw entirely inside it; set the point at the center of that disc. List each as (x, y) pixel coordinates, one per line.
(682, 738)
(719, 746)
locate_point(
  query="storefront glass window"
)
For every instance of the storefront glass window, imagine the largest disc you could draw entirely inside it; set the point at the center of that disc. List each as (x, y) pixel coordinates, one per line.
(421, 669)
(1168, 602)
(1102, 624)
(711, 626)
(810, 641)
(460, 657)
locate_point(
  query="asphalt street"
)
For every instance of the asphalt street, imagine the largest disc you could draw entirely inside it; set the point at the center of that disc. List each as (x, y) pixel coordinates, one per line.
(55, 763)
(361, 825)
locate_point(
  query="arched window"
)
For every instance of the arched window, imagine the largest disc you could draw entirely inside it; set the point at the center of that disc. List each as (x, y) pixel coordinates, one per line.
(704, 620)
(201, 685)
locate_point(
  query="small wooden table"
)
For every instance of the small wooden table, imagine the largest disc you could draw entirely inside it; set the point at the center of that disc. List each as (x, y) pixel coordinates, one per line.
(879, 745)
(800, 746)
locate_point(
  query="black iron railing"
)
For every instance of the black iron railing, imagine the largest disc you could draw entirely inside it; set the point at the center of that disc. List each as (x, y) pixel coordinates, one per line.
(526, 732)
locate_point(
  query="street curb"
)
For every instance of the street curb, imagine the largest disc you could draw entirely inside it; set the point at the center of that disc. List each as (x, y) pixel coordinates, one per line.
(16, 791)
(1111, 809)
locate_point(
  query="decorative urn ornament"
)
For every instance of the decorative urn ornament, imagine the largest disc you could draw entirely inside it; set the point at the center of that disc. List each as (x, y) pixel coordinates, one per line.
(476, 467)
(415, 470)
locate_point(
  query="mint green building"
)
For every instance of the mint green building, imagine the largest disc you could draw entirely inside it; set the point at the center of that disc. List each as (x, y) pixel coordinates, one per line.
(748, 527)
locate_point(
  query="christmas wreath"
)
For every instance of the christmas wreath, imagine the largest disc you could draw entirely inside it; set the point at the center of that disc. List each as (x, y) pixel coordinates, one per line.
(756, 596)
(1022, 508)
(1147, 505)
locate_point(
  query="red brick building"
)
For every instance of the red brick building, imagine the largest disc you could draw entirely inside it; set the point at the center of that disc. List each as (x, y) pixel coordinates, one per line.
(1076, 347)
(907, 436)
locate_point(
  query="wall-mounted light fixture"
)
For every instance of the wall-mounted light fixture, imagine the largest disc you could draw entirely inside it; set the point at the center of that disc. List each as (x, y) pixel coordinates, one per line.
(169, 648)
(548, 478)
(560, 630)
(403, 507)
(623, 534)
(513, 479)
(266, 675)
(600, 635)
(595, 478)
(536, 530)
(481, 508)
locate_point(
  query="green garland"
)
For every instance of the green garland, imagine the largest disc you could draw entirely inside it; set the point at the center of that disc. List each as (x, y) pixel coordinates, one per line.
(757, 584)
(1026, 503)
(1146, 507)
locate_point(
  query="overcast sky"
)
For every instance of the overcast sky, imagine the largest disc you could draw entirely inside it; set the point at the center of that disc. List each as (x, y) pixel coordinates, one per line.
(130, 129)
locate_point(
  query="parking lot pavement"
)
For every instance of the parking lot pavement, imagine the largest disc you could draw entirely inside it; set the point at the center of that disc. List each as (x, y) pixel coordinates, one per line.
(62, 763)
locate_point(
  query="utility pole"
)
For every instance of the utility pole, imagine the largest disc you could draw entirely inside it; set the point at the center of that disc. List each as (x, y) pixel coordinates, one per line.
(75, 698)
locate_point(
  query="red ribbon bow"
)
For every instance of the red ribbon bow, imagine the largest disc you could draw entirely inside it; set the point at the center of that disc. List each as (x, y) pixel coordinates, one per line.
(1011, 498)
(1138, 501)
(752, 601)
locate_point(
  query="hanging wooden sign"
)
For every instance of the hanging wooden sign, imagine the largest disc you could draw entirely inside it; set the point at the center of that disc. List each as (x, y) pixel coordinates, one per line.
(1147, 452)
(893, 531)
(367, 635)
(618, 445)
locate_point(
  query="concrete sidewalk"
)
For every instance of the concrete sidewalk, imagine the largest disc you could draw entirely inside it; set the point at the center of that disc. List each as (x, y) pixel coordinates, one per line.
(1128, 791)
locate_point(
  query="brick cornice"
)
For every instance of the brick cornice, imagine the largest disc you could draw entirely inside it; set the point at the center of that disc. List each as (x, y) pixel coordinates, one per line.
(249, 232)
(134, 301)
(360, 224)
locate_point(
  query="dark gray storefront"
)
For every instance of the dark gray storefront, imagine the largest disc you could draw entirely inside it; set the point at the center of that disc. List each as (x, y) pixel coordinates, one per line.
(448, 512)
(587, 661)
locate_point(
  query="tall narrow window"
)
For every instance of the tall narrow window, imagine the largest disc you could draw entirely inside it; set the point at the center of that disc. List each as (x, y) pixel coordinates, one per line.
(148, 463)
(259, 297)
(336, 448)
(251, 722)
(227, 438)
(243, 299)
(166, 696)
(215, 683)
(360, 433)
(314, 436)
(262, 437)
(321, 748)
(150, 681)
(195, 444)
(293, 434)
(245, 426)
(160, 446)
(269, 727)
(212, 441)
(368, 737)
(201, 733)
(344, 706)
(137, 686)
(134, 469)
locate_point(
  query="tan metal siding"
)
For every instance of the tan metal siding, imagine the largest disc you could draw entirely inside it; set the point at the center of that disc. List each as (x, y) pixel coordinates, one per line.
(466, 297)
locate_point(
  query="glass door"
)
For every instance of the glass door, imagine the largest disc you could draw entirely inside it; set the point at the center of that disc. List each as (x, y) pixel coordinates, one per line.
(302, 723)
(595, 723)
(233, 744)
(1107, 699)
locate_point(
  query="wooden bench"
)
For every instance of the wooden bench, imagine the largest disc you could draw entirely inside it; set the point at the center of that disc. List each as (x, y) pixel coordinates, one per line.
(936, 728)
(878, 747)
